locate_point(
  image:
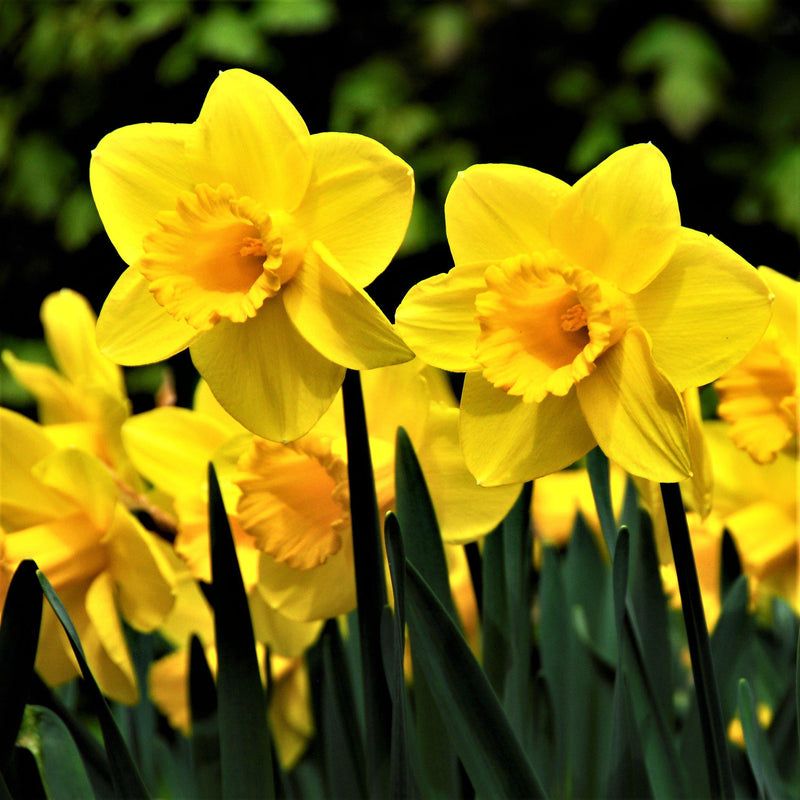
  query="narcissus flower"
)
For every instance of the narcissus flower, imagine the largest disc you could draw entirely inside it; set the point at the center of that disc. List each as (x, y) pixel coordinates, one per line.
(579, 313)
(61, 508)
(250, 241)
(759, 395)
(83, 402)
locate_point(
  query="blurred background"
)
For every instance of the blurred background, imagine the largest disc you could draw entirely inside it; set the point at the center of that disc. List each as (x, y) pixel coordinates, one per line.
(552, 84)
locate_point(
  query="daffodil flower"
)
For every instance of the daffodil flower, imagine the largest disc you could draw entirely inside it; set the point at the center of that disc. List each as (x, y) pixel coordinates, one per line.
(579, 313)
(83, 402)
(759, 395)
(289, 504)
(61, 508)
(249, 241)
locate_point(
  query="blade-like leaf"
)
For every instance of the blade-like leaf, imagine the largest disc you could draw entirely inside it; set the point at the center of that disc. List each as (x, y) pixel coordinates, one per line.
(370, 584)
(60, 766)
(205, 724)
(128, 782)
(19, 639)
(480, 731)
(599, 477)
(244, 735)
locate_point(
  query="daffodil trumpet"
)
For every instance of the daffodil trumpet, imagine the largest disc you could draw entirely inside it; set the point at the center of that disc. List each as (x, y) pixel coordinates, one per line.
(720, 774)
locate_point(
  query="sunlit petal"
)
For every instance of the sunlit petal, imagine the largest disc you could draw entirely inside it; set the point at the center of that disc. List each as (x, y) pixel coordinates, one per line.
(496, 211)
(621, 220)
(250, 136)
(438, 321)
(284, 636)
(358, 202)
(704, 312)
(266, 375)
(339, 320)
(134, 329)
(635, 413)
(135, 173)
(506, 440)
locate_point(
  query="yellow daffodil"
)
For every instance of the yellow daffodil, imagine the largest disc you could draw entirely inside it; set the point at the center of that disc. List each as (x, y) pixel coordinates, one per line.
(579, 313)
(759, 395)
(289, 504)
(83, 402)
(61, 508)
(250, 241)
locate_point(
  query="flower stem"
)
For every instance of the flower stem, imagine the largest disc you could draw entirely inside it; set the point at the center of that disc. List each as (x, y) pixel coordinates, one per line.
(370, 583)
(720, 775)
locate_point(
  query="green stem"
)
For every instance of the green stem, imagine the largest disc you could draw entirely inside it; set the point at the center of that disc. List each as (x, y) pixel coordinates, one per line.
(720, 775)
(370, 584)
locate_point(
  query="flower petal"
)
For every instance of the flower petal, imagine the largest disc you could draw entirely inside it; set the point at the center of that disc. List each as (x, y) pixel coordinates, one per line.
(250, 136)
(305, 595)
(465, 511)
(266, 375)
(69, 328)
(135, 173)
(621, 220)
(496, 211)
(704, 312)
(437, 318)
(24, 501)
(339, 320)
(284, 636)
(134, 329)
(506, 440)
(635, 413)
(171, 447)
(104, 642)
(144, 578)
(358, 202)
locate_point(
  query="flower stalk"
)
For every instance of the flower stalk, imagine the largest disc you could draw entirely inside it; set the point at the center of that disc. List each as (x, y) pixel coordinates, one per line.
(720, 775)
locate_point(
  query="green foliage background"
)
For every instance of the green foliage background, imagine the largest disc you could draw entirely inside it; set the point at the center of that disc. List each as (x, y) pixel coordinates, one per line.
(553, 84)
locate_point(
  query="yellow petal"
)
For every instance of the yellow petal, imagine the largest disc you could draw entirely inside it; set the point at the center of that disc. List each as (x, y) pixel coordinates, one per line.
(465, 511)
(190, 612)
(438, 321)
(358, 203)
(104, 643)
(168, 687)
(144, 579)
(704, 312)
(55, 661)
(135, 173)
(24, 500)
(635, 413)
(134, 329)
(266, 375)
(69, 327)
(339, 320)
(785, 309)
(284, 636)
(496, 211)
(171, 447)
(310, 594)
(506, 440)
(250, 136)
(621, 220)
(84, 479)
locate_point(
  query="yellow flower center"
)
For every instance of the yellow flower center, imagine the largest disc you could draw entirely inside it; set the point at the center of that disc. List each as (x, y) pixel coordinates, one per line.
(295, 499)
(219, 255)
(544, 323)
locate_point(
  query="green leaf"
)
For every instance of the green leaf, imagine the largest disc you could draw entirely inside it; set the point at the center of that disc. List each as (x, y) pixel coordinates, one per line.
(423, 544)
(205, 724)
(599, 478)
(480, 731)
(343, 754)
(19, 639)
(401, 782)
(242, 709)
(370, 584)
(125, 775)
(762, 761)
(58, 758)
